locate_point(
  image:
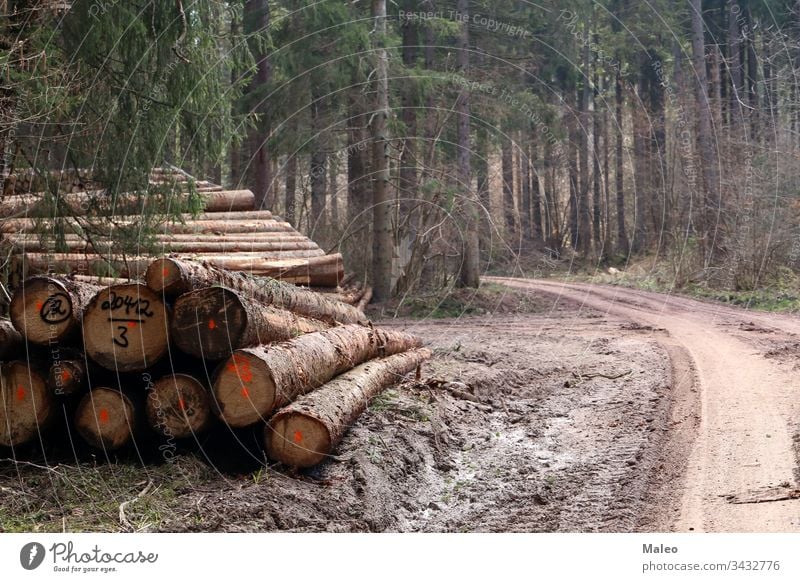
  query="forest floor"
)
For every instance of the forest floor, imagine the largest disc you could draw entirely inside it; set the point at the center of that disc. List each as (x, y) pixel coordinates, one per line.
(550, 408)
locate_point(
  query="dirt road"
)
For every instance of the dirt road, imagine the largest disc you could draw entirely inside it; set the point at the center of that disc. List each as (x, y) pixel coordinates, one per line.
(745, 446)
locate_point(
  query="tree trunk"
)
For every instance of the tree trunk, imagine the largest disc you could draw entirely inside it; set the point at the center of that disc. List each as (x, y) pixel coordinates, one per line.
(211, 322)
(711, 203)
(383, 247)
(622, 235)
(469, 275)
(178, 406)
(408, 159)
(317, 172)
(507, 162)
(254, 382)
(47, 311)
(596, 173)
(26, 405)
(290, 194)
(257, 21)
(752, 73)
(525, 179)
(585, 215)
(641, 173)
(735, 64)
(484, 197)
(308, 430)
(10, 341)
(125, 328)
(574, 179)
(536, 197)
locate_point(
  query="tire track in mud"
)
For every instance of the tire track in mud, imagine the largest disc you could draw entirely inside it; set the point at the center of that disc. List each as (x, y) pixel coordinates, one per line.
(744, 441)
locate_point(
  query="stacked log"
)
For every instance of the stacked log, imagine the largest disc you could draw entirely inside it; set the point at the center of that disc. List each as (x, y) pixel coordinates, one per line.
(270, 343)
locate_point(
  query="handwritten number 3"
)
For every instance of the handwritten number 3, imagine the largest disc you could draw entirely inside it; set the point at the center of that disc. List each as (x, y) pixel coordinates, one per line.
(122, 341)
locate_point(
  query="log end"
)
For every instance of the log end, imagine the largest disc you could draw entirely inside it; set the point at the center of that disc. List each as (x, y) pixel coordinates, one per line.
(244, 390)
(125, 328)
(42, 310)
(208, 323)
(297, 440)
(165, 276)
(26, 406)
(178, 406)
(105, 418)
(66, 377)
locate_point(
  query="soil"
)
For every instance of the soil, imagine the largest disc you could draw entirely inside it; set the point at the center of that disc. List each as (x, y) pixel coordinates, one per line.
(594, 409)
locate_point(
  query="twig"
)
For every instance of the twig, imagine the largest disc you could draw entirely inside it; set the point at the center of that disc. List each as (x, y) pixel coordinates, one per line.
(123, 521)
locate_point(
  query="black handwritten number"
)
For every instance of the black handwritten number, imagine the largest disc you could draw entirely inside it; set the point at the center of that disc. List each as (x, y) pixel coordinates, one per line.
(122, 341)
(140, 307)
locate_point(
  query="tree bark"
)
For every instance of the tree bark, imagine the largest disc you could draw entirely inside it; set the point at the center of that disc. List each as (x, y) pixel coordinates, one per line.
(257, 20)
(211, 322)
(596, 173)
(173, 277)
(125, 328)
(408, 159)
(536, 197)
(525, 191)
(584, 214)
(308, 430)
(47, 311)
(507, 163)
(317, 172)
(254, 382)
(291, 189)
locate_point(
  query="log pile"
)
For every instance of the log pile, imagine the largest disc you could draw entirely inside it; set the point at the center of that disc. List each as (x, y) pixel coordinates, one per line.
(191, 348)
(229, 233)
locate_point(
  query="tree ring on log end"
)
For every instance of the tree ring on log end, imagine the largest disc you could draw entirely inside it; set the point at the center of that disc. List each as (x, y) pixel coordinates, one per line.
(209, 323)
(105, 418)
(178, 406)
(26, 405)
(125, 328)
(42, 310)
(297, 440)
(244, 390)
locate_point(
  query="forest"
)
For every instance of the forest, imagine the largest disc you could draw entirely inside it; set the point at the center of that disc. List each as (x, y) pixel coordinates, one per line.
(430, 141)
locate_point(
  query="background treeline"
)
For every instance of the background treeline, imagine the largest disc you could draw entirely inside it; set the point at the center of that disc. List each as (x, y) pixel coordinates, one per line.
(432, 140)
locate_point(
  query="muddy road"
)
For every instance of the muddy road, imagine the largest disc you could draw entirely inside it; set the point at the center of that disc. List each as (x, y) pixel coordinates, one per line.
(743, 458)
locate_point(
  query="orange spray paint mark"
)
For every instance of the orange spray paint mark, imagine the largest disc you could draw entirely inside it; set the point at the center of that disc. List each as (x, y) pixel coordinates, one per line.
(240, 366)
(298, 436)
(245, 393)
(131, 324)
(65, 377)
(39, 305)
(20, 393)
(181, 404)
(212, 324)
(103, 416)
(165, 272)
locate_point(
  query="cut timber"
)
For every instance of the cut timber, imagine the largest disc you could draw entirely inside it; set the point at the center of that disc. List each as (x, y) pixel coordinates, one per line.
(26, 405)
(173, 276)
(67, 377)
(306, 432)
(10, 341)
(101, 281)
(27, 264)
(106, 419)
(253, 382)
(322, 271)
(125, 328)
(79, 203)
(178, 406)
(47, 310)
(365, 299)
(190, 226)
(212, 322)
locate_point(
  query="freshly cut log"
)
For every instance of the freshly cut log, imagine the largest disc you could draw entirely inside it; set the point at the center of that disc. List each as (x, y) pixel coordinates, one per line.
(47, 310)
(10, 341)
(106, 418)
(101, 281)
(306, 431)
(210, 323)
(67, 377)
(79, 202)
(174, 276)
(27, 264)
(190, 226)
(26, 405)
(266, 250)
(125, 328)
(178, 406)
(322, 271)
(255, 381)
